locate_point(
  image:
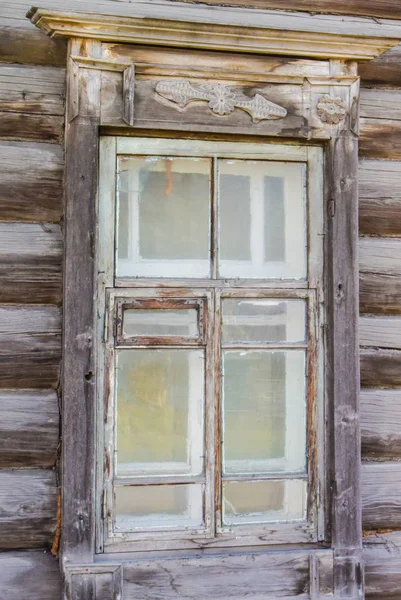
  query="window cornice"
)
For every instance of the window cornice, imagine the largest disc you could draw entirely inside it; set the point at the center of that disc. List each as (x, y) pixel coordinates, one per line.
(229, 29)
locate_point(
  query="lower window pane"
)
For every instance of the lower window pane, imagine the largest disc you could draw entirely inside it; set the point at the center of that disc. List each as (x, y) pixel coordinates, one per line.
(264, 501)
(158, 506)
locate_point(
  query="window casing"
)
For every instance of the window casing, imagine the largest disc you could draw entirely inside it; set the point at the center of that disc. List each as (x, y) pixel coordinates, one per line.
(195, 315)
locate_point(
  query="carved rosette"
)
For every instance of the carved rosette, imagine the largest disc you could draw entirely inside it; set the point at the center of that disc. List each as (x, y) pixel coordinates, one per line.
(331, 110)
(220, 98)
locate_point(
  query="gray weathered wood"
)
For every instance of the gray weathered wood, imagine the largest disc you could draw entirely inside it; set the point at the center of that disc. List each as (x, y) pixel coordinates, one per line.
(380, 255)
(31, 177)
(380, 294)
(381, 103)
(380, 138)
(383, 70)
(381, 423)
(30, 346)
(29, 429)
(382, 556)
(31, 575)
(381, 495)
(380, 332)
(30, 263)
(31, 128)
(380, 197)
(27, 508)
(19, 45)
(33, 90)
(380, 368)
(343, 364)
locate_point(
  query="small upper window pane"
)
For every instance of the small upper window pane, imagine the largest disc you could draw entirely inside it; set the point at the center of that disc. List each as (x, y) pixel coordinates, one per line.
(163, 218)
(262, 219)
(156, 323)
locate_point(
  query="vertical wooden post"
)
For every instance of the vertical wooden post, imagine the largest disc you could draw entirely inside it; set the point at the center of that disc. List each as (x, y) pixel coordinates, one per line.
(343, 366)
(78, 378)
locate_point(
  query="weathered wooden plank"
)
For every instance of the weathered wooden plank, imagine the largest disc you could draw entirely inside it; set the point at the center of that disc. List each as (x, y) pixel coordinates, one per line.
(380, 103)
(381, 423)
(31, 128)
(380, 368)
(27, 508)
(380, 197)
(22, 46)
(31, 575)
(380, 138)
(380, 294)
(380, 332)
(381, 495)
(30, 263)
(380, 255)
(32, 90)
(31, 177)
(383, 70)
(30, 346)
(29, 429)
(382, 557)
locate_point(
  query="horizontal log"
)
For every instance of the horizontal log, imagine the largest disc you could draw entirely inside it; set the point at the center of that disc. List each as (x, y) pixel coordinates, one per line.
(30, 263)
(30, 346)
(29, 429)
(32, 90)
(380, 332)
(381, 423)
(380, 255)
(383, 70)
(380, 368)
(381, 495)
(28, 499)
(29, 575)
(22, 46)
(382, 559)
(379, 293)
(31, 128)
(380, 103)
(380, 197)
(380, 138)
(31, 176)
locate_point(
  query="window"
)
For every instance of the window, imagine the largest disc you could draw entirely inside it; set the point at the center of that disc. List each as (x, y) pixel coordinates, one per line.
(210, 277)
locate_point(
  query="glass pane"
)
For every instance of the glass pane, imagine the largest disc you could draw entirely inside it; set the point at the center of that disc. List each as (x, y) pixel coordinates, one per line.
(262, 219)
(264, 501)
(264, 426)
(163, 222)
(264, 321)
(158, 506)
(155, 322)
(160, 397)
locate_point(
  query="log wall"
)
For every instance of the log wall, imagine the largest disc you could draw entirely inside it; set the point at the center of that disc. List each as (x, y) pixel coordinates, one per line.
(32, 89)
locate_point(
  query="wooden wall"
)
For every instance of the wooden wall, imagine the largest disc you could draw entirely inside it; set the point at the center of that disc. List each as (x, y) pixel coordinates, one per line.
(32, 88)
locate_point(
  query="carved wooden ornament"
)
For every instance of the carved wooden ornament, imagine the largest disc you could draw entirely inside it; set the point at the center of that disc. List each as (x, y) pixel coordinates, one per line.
(222, 100)
(331, 110)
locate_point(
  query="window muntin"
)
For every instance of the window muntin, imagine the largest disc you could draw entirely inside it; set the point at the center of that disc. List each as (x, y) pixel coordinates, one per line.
(289, 317)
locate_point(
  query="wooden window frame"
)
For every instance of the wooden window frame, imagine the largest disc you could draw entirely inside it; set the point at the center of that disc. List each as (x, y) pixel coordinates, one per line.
(97, 61)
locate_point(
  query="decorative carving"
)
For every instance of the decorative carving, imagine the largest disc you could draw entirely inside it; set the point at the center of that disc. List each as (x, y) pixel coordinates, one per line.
(331, 110)
(222, 100)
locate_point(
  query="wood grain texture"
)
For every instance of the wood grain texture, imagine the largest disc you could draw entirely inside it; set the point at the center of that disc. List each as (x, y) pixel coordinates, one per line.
(31, 128)
(29, 429)
(30, 346)
(31, 176)
(380, 197)
(32, 47)
(380, 138)
(380, 293)
(380, 368)
(381, 423)
(381, 495)
(383, 70)
(381, 103)
(382, 557)
(380, 332)
(31, 575)
(380, 255)
(27, 508)
(30, 263)
(32, 89)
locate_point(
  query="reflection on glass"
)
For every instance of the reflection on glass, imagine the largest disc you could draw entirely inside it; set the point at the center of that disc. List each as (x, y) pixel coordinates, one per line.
(264, 501)
(155, 322)
(263, 321)
(158, 506)
(163, 223)
(264, 427)
(262, 214)
(160, 396)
